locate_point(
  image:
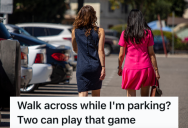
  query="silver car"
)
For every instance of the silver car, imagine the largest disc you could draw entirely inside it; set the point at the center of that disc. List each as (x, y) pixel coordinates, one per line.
(26, 72)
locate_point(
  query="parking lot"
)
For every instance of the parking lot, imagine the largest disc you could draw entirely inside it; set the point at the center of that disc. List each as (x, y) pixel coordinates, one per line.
(173, 82)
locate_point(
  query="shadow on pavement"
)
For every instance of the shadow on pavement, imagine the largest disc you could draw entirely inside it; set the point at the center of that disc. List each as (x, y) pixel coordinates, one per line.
(4, 124)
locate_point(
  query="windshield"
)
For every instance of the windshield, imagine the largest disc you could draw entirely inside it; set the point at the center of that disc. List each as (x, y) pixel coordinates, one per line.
(29, 40)
(4, 32)
(22, 31)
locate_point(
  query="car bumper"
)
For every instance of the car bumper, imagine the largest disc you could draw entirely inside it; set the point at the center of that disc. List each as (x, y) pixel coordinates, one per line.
(73, 63)
(69, 72)
(26, 75)
(41, 73)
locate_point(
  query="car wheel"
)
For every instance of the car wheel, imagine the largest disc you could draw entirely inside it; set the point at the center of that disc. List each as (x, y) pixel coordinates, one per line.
(29, 88)
(107, 49)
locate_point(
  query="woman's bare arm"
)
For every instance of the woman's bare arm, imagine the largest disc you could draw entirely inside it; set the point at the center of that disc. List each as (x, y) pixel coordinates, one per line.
(101, 51)
(74, 44)
(120, 59)
(153, 60)
(121, 56)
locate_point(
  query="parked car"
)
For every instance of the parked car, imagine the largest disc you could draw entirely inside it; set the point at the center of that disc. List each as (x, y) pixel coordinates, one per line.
(54, 33)
(26, 71)
(55, 40)
(158, 44)
(48, 32)
(56, 56)
(73, 56)
(111, 45)
(109, 32)
(41, 70)
(16, 29)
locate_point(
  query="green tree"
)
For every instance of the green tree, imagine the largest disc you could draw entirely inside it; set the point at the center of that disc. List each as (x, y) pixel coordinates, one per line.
(151, 8)
(178, 6)
(161, 7)
(51, 11)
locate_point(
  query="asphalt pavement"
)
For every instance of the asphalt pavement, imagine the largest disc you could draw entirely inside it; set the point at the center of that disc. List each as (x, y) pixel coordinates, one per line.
(173, 82)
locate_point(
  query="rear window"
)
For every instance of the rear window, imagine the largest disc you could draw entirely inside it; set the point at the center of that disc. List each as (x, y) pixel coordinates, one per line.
(29, 30)
(22, 31)
(4, 32)
(39, 31)
(54, 31)
(70, 30)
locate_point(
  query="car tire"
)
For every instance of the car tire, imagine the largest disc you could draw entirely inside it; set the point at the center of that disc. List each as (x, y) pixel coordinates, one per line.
(107, 49)
(29, 88)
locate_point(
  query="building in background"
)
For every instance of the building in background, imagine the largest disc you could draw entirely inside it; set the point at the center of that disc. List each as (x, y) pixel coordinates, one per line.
(180, 24)
(106, 17)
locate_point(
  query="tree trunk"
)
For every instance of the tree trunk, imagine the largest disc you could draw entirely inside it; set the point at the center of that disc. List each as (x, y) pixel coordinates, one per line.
(80, 4)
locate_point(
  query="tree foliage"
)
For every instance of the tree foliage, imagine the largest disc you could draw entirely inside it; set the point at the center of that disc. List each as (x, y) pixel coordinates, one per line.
(151, 8)
(37, 11)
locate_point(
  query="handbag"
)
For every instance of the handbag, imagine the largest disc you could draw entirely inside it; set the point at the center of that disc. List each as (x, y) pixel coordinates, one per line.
(155, 90)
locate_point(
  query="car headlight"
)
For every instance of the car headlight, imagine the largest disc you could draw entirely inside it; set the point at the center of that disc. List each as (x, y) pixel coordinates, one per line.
(115, 42)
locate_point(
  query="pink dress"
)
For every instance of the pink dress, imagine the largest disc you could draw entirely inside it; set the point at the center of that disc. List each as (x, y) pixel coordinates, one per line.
(138, 69)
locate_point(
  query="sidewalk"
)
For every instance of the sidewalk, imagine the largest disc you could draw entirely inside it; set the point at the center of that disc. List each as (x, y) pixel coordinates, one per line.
(173, 82)
(173, 55)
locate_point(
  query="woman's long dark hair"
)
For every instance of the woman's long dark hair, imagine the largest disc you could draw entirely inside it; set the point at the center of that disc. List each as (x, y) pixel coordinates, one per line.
(136, 27)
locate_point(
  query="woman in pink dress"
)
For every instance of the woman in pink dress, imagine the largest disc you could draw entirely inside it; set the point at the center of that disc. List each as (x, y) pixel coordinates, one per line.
(137, 42)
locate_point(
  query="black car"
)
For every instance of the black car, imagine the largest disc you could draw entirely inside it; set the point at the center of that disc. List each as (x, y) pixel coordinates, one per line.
(56, 56)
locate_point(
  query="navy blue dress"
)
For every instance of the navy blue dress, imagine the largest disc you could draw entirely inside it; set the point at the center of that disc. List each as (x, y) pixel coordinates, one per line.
(89, 68)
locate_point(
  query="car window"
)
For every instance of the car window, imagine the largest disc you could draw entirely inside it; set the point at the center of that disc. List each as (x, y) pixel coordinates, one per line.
(70, 30)
(22, 31)
(38, 31)
(54, 31)
(29, 30)
(4, 32)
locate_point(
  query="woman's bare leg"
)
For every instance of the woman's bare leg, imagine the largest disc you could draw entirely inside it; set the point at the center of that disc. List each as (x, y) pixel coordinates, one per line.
(96, 92)
(83, 94)
(145, 91)
(131, 92)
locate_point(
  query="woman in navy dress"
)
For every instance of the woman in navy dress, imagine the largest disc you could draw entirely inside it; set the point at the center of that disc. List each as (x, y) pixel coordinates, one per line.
(88, 43)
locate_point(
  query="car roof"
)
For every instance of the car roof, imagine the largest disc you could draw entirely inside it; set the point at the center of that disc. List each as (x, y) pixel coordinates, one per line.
(51, 25)
(31, 38)
(40, 42)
